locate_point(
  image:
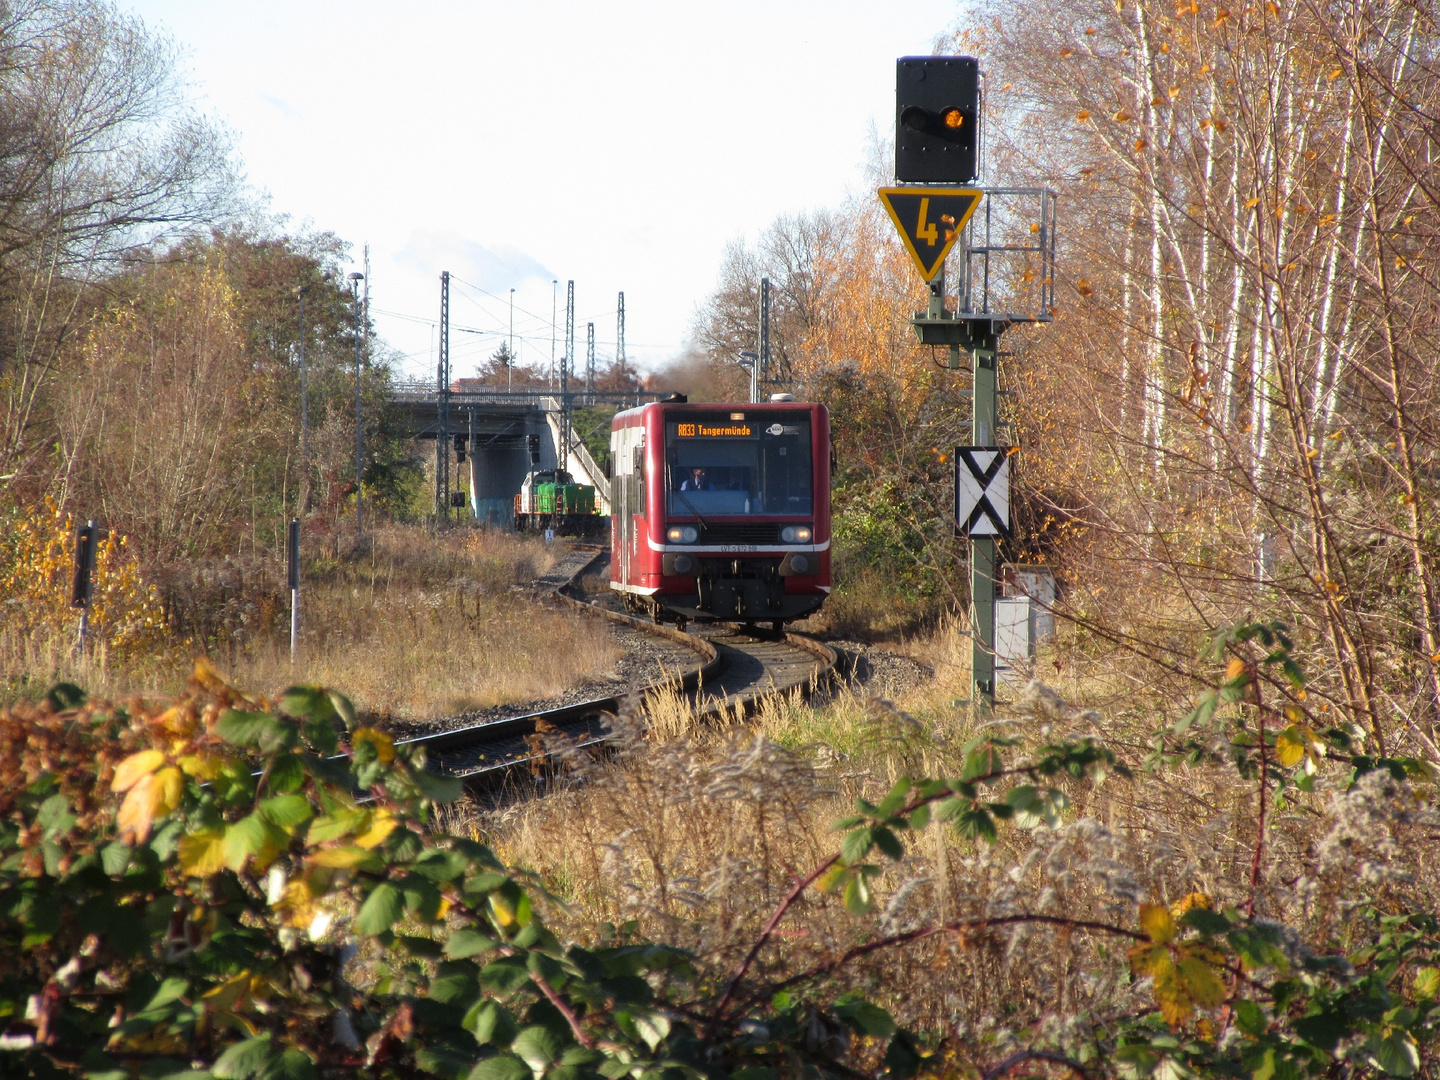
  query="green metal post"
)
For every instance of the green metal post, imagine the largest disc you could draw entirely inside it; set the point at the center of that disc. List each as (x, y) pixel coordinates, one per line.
(982, 548)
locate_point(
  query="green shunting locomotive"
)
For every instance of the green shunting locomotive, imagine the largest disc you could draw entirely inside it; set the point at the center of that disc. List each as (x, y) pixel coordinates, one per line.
(550, 499)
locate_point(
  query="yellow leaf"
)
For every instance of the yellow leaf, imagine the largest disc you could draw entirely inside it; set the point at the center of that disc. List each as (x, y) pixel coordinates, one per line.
(1234, 669)
(134, 767)
(297, 903)
(381, 826)
(1202, 984)
(200, 766)
(1252, 202)
(1066, 52)
(342, 857)
(1314, 450)
(1190, 901)
(202, 853)
(1290, 746)
(207, 676)
(1335, 74)
(1171, 996)
(1435, 659)
(137, 812)
(384, 746)
(504, 911)
(1141, 144)
(1122, 116)
(1083, 115)
(227, 995)
(171, 783)
(1155, 920)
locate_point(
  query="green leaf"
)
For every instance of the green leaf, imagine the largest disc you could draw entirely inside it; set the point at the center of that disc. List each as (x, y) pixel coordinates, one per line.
(381, 908)
(976, 824)
(1250, 1018)
(538, 1047)
(1203, 711)
(653, 1027)
(293, 1065)
(920, 817)
(287, 811)
(64, 696)
(889, 843)
(440, 789)
(865, 1017)
(340, 823)
(1427, 983)
(490, 1023)
(856, 897)
(115, 858)
(262, 731)
(857, 845)
(1396, 1053)
(422, 898)
(501, 1067)
(1206, 921)
(252, 836)
(307, 703)
(54, 816)
(243, 1060)
(982, 762)
(505, 976)
(468, 942)
(895, 800)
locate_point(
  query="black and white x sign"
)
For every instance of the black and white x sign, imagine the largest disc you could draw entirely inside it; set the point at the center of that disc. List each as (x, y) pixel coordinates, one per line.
(982, 490)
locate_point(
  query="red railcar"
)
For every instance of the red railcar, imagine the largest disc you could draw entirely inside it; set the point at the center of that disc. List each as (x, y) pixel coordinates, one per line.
(721, 511)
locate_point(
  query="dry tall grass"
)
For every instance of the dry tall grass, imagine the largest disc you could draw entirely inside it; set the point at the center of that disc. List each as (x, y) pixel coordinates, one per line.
(412, 625)
(694, 834)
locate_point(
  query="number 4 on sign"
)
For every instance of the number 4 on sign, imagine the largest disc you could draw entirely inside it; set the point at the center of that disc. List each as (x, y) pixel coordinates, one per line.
(929, 220)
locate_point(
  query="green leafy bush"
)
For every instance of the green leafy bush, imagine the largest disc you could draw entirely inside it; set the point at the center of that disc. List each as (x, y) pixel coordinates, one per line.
(232, 887)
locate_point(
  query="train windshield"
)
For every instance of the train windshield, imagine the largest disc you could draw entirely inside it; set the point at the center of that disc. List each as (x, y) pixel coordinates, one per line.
(731, 463)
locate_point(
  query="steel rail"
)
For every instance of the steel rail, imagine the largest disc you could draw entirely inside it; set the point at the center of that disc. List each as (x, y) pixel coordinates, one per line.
(484, 756)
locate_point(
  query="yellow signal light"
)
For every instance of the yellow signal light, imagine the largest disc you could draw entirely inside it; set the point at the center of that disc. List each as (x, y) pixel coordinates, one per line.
(953, 119)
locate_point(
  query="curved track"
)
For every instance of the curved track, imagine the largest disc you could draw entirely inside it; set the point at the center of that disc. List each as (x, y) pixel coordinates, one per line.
(731, 672)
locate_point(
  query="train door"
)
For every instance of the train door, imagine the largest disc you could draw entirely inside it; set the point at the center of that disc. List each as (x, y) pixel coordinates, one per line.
(623, 442)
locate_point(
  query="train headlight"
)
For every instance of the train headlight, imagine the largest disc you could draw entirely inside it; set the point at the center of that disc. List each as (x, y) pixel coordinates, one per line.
(799, 564)
(682, 534)
(796, 534)
(683, 564)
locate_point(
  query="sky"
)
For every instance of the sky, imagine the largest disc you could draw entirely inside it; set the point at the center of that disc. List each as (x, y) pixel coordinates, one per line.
(619, 145)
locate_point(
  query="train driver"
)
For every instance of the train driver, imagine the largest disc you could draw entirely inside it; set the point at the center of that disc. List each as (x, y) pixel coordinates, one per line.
(697, 481)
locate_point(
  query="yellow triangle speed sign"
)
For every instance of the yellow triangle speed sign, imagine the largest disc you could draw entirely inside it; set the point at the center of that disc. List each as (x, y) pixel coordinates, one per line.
(929, 220)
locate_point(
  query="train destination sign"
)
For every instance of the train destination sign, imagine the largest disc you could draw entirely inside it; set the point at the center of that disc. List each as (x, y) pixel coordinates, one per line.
(929, 220)
(715, 429)
(982, 490)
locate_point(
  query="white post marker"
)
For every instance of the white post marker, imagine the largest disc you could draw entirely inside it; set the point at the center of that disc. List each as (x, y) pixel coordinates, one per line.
(292, 551)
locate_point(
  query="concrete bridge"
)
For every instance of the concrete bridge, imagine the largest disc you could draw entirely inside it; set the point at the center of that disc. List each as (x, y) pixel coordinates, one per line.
(493, 428)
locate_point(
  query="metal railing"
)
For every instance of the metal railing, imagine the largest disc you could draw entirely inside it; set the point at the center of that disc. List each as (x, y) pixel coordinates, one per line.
(1008, 268)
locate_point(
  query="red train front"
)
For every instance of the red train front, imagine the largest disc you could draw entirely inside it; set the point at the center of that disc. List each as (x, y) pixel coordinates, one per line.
(721, 511)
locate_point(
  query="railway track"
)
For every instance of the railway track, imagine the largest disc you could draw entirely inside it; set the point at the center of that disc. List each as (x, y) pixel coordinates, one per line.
(732, 671)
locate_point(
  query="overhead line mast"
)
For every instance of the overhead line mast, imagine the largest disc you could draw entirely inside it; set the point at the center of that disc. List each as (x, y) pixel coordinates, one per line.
(567, 365)
(590, 360)
(620, 337)
(442, 376)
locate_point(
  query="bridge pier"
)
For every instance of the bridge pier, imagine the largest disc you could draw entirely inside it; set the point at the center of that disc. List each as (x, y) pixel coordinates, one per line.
(496, 473)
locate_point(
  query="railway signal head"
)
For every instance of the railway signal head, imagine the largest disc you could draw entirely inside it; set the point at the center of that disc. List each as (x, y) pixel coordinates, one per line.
(937, 119)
